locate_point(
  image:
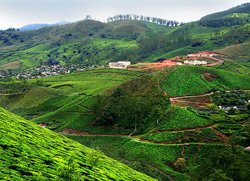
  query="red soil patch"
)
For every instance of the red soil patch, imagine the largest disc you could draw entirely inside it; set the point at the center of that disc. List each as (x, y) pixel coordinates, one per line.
(10, 65)
(209, 77)
(162, 64)
(154, 66)
(200, 101)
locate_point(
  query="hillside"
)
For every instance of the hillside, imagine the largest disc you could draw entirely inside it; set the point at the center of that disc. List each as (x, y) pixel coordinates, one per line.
(29, 152)
(62, 101)
(234, 16)
(95, 43)
(92, 108)
(180, 122)
(190, 80)
(238, 52)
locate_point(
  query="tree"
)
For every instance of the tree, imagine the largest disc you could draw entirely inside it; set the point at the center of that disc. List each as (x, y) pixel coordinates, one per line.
(88, 17)
(180, 164)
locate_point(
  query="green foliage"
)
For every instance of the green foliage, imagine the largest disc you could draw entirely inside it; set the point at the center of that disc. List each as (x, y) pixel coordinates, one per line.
(229, 17)
(231, 98)
(206, 135)
(145, 157)
(29, 152)
(63, 101)
(226, 164)
(134, 104)
(189, 80)
(181, 118)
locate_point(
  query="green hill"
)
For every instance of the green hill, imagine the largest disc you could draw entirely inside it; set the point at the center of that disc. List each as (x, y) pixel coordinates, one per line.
(234, 16)
(191, 80)
(29, 152)
(238, 52)
(62, 101)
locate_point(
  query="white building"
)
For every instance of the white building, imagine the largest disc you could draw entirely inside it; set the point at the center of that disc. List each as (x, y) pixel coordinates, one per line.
(202, 54)
(194, 62)
(179, 63)
(119, 65)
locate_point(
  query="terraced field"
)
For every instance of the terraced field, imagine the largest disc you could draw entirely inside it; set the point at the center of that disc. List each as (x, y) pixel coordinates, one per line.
(191, 80)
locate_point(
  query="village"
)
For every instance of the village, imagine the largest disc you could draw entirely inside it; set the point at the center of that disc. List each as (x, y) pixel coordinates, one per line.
(46, 71)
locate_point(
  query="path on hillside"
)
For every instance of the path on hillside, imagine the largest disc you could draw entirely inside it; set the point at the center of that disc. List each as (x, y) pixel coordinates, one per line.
(194, 96)
(192, 100)
(72, 132)
(10, 94)
(219, 61)
(185, 129)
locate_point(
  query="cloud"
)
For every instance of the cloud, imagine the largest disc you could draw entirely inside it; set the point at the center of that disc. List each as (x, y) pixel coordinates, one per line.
(17, 13)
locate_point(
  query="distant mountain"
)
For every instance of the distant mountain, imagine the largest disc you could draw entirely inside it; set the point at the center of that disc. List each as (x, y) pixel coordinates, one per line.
(33, 27)
(235, 16)
(39, 26)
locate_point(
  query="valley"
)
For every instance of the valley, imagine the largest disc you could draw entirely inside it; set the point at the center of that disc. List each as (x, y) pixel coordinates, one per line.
(180, 111)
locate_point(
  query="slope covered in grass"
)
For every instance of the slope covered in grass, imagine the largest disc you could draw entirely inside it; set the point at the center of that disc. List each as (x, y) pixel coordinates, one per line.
(29, 152)
(146, 157)
(181, 118)
(238, 52)
(191, 80)
(62, 101)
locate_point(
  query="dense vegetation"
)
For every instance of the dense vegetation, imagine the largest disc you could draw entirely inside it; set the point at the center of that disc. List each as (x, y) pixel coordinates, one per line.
(29, 152)
(190, 80)
(62, 101)
(137, 104)
(231, 98)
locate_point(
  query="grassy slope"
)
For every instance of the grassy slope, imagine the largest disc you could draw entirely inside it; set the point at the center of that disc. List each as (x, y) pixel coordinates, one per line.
(145, 157)
(188, 80)
(29, 152)
(181, 118)
(63, 101)
(238, 52)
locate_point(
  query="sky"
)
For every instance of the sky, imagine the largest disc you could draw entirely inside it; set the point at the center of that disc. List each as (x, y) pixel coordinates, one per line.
(17, 13)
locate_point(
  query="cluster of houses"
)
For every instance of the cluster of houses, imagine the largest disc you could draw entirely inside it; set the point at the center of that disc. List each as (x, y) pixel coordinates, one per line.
(53, 70)
(193, 58)
(235, 107)
(119, 64)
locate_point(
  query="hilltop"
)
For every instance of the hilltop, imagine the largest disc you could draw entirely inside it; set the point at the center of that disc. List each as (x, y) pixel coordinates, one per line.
(30, 152)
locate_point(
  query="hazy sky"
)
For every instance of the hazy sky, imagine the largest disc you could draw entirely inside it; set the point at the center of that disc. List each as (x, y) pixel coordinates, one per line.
(17, 13)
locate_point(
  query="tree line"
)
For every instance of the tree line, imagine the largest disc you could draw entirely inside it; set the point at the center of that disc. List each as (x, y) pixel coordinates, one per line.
(155, 20)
